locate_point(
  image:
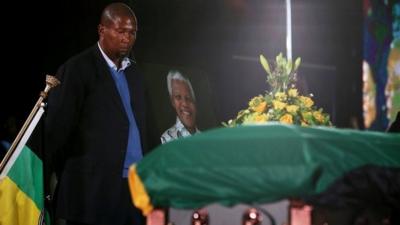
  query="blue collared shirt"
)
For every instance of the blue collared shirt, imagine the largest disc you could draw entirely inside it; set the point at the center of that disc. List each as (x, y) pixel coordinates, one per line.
(134, 147)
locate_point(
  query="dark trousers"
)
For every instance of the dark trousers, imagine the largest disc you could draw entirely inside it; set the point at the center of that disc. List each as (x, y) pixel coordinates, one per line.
(126, 215)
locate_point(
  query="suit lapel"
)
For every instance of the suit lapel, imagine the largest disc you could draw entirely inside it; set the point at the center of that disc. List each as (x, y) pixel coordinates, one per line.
(109, 83)
(136, 92)
(132, 84)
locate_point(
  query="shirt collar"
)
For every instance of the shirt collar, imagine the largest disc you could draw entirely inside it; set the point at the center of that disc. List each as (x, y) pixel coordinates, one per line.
(124, 64)
(179, 126)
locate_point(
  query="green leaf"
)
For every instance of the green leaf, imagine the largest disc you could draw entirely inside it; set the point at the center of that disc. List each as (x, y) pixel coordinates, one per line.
(297, 63)
(280, 61)
(265, 64)
(278, 57)
(289, 67)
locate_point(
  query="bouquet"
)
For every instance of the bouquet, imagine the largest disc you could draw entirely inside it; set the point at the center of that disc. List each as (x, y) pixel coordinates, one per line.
(283, 103)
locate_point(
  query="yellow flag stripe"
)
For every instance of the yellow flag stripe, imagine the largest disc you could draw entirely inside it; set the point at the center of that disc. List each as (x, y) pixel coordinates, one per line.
(16, 208)
(138, 192)
(27, 174)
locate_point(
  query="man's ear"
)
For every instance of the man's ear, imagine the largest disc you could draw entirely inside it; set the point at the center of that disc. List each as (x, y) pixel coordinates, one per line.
(100, 30)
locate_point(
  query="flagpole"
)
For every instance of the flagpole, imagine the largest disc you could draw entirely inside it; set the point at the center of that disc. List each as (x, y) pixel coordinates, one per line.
(34, 116)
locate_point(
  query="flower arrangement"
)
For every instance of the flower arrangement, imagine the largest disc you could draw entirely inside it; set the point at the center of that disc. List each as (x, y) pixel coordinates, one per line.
(283, 103)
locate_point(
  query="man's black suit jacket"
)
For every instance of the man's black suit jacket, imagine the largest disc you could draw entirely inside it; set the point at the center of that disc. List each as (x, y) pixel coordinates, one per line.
(87, 132)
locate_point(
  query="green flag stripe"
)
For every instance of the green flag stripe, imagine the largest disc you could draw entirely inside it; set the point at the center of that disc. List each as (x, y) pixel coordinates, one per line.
(27, 174)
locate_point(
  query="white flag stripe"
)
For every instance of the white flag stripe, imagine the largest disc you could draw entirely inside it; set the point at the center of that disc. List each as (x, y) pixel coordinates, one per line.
(22, 143)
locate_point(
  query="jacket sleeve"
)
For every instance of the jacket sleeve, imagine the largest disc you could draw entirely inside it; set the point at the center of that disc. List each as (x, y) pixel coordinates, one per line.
(62, 116)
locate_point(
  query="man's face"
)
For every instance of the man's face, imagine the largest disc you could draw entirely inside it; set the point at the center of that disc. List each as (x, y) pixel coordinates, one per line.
(118, 36)
(184, 104)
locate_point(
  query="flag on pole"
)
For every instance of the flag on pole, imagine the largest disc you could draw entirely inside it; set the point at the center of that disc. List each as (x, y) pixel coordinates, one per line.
(21, 182)
(22, 192)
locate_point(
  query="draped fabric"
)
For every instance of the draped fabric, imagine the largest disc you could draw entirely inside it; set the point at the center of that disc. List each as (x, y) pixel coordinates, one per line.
(256, 164)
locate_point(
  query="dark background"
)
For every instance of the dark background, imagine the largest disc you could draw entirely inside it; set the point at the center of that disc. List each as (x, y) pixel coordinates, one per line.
(217, 44)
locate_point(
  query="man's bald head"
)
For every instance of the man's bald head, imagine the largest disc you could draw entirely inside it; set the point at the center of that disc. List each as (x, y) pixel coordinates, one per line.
(114, 11)
(117, 31)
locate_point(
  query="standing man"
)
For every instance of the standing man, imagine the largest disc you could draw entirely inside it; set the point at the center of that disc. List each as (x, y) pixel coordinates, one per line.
(95, 126)
(183, 100)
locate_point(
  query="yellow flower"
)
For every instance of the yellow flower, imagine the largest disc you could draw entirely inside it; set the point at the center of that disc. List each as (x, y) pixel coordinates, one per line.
(256, 100)
(278, 104)
(280, 95)
(306, 115)
(293, 92)
(308, 102)
(292, 108)
(287, 118)
(260, 108)
(318, 116)
(262, 117)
